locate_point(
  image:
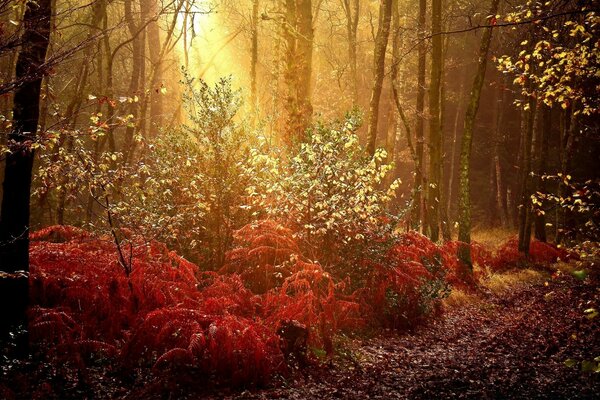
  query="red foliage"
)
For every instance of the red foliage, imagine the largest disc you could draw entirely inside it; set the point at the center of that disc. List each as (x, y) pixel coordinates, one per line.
(310, 295)
(167, 314)
(457, 274)
(260, 255)
(396, 293)
(540, 253)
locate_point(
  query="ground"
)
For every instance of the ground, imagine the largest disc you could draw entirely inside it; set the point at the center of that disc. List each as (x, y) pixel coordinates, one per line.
(507, 342)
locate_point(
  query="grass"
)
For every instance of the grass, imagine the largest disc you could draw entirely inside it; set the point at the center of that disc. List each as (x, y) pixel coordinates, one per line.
(492, 237)
(500, 283)
(459, 298)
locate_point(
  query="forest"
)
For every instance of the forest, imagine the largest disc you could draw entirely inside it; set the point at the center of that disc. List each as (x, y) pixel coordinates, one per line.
(299, 199)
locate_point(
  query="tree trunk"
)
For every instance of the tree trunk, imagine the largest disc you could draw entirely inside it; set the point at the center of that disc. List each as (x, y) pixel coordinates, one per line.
(524, 221)
(543, 133)
(351, 9)
(500, 198)
(14, 214)
(417, 195)
(459, 107)
(568, 144)
(254, 57)
(464, 202)
(155, 49)
(444, 222)
(136, 76)
(304, 48)
(381, 41)
(435, 133)
(298, 36)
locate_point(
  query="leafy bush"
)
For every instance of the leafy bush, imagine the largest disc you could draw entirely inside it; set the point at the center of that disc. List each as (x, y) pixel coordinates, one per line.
(187, 188)
(407, 284)
(329, 192)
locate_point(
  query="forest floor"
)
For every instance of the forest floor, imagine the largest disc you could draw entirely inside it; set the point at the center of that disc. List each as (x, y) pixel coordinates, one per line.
(512, 339)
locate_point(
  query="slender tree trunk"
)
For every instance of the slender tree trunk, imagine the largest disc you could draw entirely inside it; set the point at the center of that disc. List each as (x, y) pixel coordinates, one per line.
(571, 126)
(464, 202)
(14, 214)
(435, 133)
(444, 222)
(543, 134)
(100, 70)
(381, 41)
(451, 174)
(155, 50)
(525, 189)
(254, 56)
(351, 9)
(417, 196)
(500, 196)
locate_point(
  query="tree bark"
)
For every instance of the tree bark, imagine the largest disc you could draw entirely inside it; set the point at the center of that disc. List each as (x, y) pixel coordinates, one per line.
(381, 41)
(155, 53)
(524, 218)
(435, 132)
(417, 196)
(455, 129)
(304, 48)
(351, 10)
(543, 133)
(14, 214)
(500, 196)
(444, 221)
(254, 56)
(464, 202)
(568, 145)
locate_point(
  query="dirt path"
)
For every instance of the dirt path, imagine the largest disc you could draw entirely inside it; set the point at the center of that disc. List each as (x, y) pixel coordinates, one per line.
(509, 346)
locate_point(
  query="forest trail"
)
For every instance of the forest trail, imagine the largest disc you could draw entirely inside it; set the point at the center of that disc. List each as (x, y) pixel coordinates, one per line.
(512, 345)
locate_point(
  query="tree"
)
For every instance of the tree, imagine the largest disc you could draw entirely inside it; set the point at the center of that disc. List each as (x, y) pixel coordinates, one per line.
(351, 11)
(298, 35)
(417, 198)
(381, 41)
(464, 202)
(14, 214)
(435, 128)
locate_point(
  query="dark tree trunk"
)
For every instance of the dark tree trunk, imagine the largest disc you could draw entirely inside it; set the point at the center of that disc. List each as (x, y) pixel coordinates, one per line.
(351, 9)
(499, 138)
(444, 221)
(464, 201)
(435, 128)
(14, 214)
(455, 129)
(568, 145)
(155, 47)
(417, 195)
(543, 133)
(254, 56)
(381, 41)
(524, 220)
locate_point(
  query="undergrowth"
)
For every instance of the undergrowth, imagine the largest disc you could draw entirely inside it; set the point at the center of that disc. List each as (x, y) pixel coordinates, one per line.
(167, 318)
